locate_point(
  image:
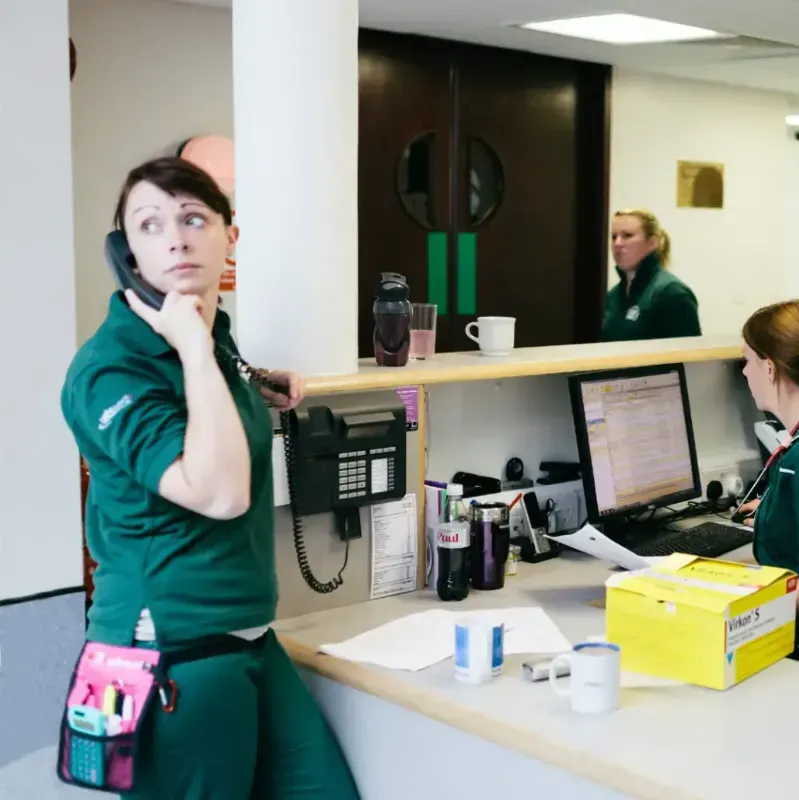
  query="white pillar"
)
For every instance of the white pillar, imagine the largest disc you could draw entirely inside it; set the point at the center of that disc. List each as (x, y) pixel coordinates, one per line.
(40, 544)
(295, 68)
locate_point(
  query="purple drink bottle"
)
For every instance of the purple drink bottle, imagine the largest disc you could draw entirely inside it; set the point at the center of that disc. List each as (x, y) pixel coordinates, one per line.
(392, 315)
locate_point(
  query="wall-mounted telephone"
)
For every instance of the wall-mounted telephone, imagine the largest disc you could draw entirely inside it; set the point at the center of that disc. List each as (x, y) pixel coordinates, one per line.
(340, 461)
(336, 461)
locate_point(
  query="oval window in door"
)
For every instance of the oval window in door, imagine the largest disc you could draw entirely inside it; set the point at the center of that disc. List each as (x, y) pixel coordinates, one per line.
(415, 179)
(486, 180)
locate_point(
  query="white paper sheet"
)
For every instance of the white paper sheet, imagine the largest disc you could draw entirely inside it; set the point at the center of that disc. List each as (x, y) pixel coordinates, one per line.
(413, 642)
(418, 641)
(394, 547)
(589, 540)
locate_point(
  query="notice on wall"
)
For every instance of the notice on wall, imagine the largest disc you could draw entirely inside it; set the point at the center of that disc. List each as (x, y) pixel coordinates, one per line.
(700, 184)
(410, 398)
(395, 547)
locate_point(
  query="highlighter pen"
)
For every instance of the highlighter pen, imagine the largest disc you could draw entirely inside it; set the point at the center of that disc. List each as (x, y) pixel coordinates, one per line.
(110, 700)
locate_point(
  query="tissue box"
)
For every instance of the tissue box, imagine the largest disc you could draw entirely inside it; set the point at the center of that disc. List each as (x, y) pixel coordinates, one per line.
(702, 621)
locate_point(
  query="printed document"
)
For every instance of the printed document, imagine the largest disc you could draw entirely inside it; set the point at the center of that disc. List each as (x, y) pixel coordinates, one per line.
(395, 547)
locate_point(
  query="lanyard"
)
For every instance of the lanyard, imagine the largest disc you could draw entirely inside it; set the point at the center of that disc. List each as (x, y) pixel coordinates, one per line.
(778, 452)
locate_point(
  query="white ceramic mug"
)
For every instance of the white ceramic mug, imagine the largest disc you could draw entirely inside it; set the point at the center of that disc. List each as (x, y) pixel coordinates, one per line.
(479, 649)
(595, 677)
(495, 335)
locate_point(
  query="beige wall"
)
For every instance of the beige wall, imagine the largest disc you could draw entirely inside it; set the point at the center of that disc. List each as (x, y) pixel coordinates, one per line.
(735, 259)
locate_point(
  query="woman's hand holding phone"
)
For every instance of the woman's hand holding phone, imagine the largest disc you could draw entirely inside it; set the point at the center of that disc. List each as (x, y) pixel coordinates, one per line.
(180, 321)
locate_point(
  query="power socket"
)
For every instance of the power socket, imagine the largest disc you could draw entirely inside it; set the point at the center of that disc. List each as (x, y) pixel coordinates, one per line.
(726, 467)
(567, 512)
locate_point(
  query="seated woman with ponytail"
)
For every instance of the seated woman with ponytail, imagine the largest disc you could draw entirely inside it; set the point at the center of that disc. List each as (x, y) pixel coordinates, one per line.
(649, 302)
(771, 356)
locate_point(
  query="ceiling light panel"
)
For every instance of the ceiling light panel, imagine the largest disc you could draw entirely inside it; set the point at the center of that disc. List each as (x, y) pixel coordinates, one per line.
(623, 29)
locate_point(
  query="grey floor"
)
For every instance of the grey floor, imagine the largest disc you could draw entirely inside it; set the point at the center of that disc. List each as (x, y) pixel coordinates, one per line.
(33, 778)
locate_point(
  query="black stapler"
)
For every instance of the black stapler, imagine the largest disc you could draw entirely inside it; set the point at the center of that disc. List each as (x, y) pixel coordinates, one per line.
(559, 472)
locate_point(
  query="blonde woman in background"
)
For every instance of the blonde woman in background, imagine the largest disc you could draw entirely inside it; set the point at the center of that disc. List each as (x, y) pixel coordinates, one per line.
(649, 302)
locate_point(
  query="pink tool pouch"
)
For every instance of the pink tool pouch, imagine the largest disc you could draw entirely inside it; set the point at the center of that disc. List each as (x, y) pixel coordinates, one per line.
(111, 694)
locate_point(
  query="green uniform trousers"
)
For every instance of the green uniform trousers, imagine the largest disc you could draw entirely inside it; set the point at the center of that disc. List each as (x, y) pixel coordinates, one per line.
(245, 727)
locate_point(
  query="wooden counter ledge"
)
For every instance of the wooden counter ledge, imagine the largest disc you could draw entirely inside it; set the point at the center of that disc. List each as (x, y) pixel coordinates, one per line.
(525, 362)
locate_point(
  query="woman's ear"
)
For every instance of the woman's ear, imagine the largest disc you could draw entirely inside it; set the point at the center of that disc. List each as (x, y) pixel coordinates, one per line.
(771, 371)
(232, 238)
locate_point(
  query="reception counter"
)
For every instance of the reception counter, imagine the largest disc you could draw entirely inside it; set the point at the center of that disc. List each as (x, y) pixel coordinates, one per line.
(529, 361)
(666, 742)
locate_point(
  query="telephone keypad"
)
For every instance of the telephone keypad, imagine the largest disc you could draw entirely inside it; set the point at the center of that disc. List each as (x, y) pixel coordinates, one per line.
(352, 474)
(352, 471)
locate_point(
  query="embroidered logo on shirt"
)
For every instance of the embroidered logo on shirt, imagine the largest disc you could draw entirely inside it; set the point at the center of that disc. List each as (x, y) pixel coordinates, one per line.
(633, 312)
(107, 417)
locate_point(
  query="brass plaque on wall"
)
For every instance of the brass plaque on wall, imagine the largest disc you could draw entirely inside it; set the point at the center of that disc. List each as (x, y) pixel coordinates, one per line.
(700, 185)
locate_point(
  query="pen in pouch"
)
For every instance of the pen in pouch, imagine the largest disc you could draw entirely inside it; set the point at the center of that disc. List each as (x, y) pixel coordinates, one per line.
(127, 708)
(110, 700)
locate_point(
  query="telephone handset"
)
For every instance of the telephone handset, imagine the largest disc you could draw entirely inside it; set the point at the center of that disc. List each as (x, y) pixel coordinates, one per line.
(123, 265)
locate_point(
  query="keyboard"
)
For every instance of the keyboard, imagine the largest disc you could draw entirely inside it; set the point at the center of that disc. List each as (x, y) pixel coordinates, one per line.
(708, 540)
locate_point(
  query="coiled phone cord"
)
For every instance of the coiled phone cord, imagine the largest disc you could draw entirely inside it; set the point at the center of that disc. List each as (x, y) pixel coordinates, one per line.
(296, 522)
(261, 378)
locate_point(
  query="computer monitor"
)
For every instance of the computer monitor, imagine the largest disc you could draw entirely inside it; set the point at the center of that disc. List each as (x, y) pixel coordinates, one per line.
(635, 440)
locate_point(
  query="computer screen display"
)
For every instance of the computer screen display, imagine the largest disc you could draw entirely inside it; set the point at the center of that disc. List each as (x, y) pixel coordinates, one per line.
(635, 439)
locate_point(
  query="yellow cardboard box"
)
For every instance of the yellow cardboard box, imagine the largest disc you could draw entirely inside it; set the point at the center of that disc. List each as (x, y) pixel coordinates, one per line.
(702, 621)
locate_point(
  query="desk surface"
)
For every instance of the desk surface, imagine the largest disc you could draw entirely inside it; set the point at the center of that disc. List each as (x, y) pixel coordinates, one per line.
(528, 361)
(672, 743)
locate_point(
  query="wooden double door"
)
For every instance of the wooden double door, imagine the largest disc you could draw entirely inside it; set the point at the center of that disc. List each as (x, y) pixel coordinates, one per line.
(483, 180)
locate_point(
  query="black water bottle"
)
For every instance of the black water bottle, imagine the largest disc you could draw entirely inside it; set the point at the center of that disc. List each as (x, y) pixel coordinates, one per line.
(392, 316)
(453, 542)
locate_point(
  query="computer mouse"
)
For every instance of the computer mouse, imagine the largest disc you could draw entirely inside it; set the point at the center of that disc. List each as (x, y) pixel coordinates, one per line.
(739, 518)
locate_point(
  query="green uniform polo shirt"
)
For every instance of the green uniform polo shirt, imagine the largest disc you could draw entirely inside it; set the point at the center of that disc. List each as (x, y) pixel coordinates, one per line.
(659, 306)
(777, 519)
(124, 400)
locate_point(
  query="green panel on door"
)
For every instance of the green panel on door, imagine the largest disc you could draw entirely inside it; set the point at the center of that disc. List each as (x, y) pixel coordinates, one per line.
(437, 270)
(467, 274)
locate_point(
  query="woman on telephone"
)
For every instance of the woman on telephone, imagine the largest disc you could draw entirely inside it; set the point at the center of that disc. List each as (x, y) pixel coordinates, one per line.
(180, 515)
(771, 353)
(648, 302)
